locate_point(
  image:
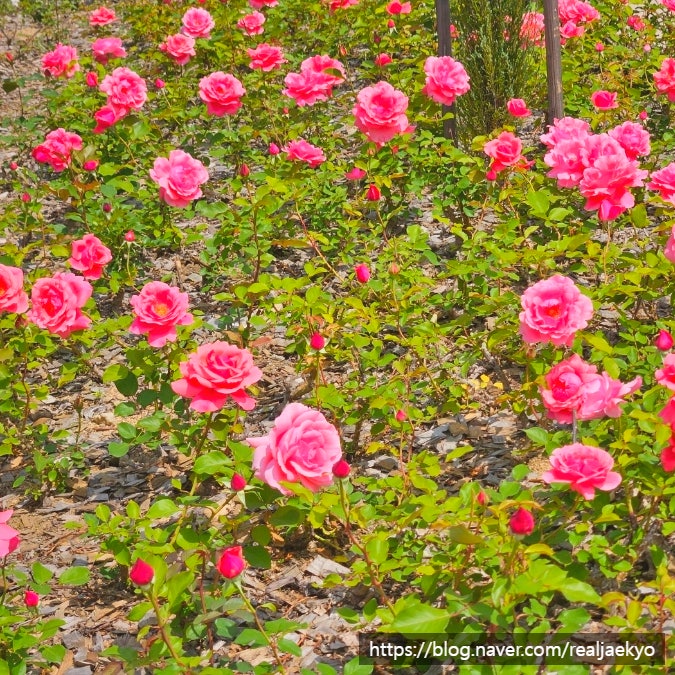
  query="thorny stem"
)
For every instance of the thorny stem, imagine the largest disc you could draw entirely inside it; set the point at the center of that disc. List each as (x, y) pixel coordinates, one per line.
(162, 629)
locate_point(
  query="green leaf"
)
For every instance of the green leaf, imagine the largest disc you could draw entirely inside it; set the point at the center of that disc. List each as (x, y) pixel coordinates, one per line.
(257, 556)
(571, 620)
(162, 508)
(74, 576)
(251, 638)
(289, 647)
(460, 534)
(126, 431)
(579, 591)
(139, 611)
(211, 463)
(598, 342)
(355, 667)
(41, 575)
(287, 516)
(116, 449)
(538, 435)
(53, 653)
(419, 618)
(128, 385)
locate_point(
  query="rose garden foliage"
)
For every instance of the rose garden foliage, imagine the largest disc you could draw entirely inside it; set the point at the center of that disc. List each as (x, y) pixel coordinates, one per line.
(296, 150)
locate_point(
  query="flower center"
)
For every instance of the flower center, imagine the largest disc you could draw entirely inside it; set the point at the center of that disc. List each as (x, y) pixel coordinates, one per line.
(161, 309)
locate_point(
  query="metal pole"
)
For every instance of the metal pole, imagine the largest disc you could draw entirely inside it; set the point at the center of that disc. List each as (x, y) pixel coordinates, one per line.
(553, 61)
(445, 49)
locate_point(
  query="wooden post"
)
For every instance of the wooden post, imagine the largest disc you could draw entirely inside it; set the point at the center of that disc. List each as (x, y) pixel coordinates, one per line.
(445, 49)
(553, 61)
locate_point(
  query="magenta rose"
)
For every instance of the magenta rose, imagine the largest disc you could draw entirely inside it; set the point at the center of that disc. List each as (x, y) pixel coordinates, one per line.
(181, 48)
(553, 311)
(505, 151)
(518, 108)
(179, 178)
(62, 62)
(266, 57)
(158, 309)
(395, 7)
(663, 181)
(57, 302)
(107, 116)
(665, 78)
(668, 456)
(446, 79)
(302, 151)
(380, 112)
(602, 395)
(322, 63)
(563, 394)
(259, 4)
(604, 100)
(126, 90)
(108, 48)
(215, 372)
(89, 256)
(666, 376)
(252, 24)
(12, 296)
(222, 93)
(57, 149)
(102, 17)
(301, 447)
(9, 537)
(198, 23)
(585, 468)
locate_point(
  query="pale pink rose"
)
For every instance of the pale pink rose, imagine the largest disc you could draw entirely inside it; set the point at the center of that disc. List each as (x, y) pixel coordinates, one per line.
(395, 7)
(12, 296)
(380, 112)
(158, 309)
(303, 151)
(102, 17)
(518, 108)
(108, 48)
(179, 178)
(602, 396)
(321, 63)
(198, 23)
(604, 100)
(382, 60)
(126, 90)
(567, 128)
(57, 303)
(252, 24)
(222, 93)
(215, 372)
(308, 87)
(301, 447)
(668, 453)
(89, 255)
(505, 151)
(553, 311)
(107, 116)
(266, 57)
(9, 537)
(584, 467)
(259, 4)
(446, 79)
(532, 29)
(57, 149)
(663, 181)
(666, 376)
(181, 48)
(62, 62)
(664, 79)
(669, 251)
(563, 394)
(569, 160)
(633, 138)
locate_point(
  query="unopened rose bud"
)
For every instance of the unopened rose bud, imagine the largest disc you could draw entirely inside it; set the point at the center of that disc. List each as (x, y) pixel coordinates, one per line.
(160, 84)
(664, 341)
(9, 56)
(391, 24)
(373, 194)
(244, 170)
(13, 166)
(130, 236)
(341, 469)
(317, 341)
(141, 573)
(482, 498)
(491, 175)
(90, 165)
(238, 482)
(522, 522)
(231, 563)
(31, 599)
(107, 207)
(91, 78)
(362, 273)
(394, 269)
(25, 198)
(643, 115)
(274, 149)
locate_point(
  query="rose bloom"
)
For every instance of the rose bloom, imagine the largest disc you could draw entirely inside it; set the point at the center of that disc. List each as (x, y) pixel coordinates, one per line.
(633, 138)
(664, 79)
(198, 23)
(62, 62)
(222, 93)
(107, 48)
(380, 112)
(664, 341)
(303, 151)
(382, 60)
(89, 256)
(107, 116)
(563, 394)
(342, 4)
(158, 309)
(666, 376)
(669, 4)
(102, 17)
(576, 11)
(179, 178)
(181, 48)
(126, 90)
(532, 29)
(635, 22)
(568, 159)
(604, 100)
(518, 108)
(57, 148)
(663, 181)
(252, 24)
(266, 57)
(259, 4)
(91, 78)
(667, 413)
(566, 128)
(505, 151)
(669, 250)
(57, 302)
(308, 87)
(12, 296)
(668, 456)
(9, 537)
(324, 64)
(355, 174)
(446, 79)
(215, 372)
(301, 447)
(584, 467)
(553, 311)
(31, 599)
(231, 562)
(397, 7)
(603, 395)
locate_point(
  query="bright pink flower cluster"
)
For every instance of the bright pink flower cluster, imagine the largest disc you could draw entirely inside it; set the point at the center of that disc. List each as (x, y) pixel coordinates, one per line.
(315, 81)
(446, 79)
(573, 14)
(669, 4)
(575, 390)
(603, 166)
(380, 112)
(222, 93)
(107, 48)
(57, 149)
(126, 91)
(61, 62)
(179, 178)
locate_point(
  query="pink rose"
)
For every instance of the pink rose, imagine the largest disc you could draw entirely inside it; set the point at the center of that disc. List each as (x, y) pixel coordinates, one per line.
(669, 4)
(585, 468)
(505, 151)
(446, 79)
(107, 48)
(602, 395)
(395, 7)
(222, 93)
(259, 4)
(669, 250)
(568, 159)
(141, 573)
(126, 90)
(321, 63)
(102, 17)
(553, 311)
(91, 78)
(62, 62)
(266, 57)
(89, 256)
(303, 151)
(231, 562)
(667, 413)
(380, 112)
(302, 447)
(158, 309)
(342, 4)
(252, 24)
(668, 455)
(604, 100)
(107, 116)
(532, 29)
(308, 87)
(663, 181)
(181, 48)
(57, 149)
(57, 302)
(355, 174)
(198, 23)
(179, 178)
(664, 79)
(666, 376)
(9, 537)
(518, 108)
(382, 60)
(566, 128)
(214, 372)
(563, 394)
(664, 341)
(12, 296)
(576, 11)
(635, 22)
(633, 138)
(521, 522)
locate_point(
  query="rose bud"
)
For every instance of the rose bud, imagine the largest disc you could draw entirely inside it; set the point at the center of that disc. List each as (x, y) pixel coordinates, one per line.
(274, 149)
(25, 197)
(141, 573)
(91, 78)
(362, 273)
(373, 193)
(522, 522)
(231, 563)
(160, 84)
(317, 341)
(244, 170)
(341, 469)
(13, 166)
(90, 165)
(401, 415)
(130, 236)
(31, 599)
(238, 482)
(482, 498)
(107, 207)
(394, 269)
(664, 341)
